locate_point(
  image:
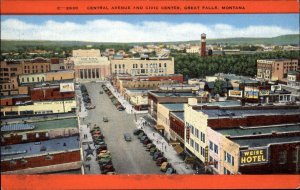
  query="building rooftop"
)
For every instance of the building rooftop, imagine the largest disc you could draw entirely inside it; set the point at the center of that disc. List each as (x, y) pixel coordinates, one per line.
(17, 127)
(260, 142)
(245, 112)
(52, 124)
(260, 130)
(178, 114)
(221, 103)
(15, 96)
(137, 90)
(173, 107)
(39, 148)
(175, 94)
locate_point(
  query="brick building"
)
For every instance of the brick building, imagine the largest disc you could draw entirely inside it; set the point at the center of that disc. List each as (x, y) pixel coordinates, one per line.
(40, 147)
(209, 136)
(163, 118)
(157, 97)
(276, 69)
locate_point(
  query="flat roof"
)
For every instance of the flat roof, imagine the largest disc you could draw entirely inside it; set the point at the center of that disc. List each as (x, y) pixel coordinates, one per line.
(137, 90)
(259, 130)
(259, 142)
(176, 94)
(33, 148)
(241, 112)
(16, 96)
(52, 124)
(174, 106)
(55, 124)
(221, 103)
(179, 115)
(17, 127)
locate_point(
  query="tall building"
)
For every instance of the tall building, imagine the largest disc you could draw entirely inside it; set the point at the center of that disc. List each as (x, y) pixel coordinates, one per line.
(276, 69)
(90, 66)
(149, 66)
(203, 45)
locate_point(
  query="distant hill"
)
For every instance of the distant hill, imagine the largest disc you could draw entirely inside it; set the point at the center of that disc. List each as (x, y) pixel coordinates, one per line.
(9, 45)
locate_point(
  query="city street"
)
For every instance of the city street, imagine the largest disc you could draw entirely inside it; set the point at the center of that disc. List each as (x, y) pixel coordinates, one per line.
(127, 157)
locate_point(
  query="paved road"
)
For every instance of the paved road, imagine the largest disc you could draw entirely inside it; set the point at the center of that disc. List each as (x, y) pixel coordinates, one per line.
(127, 157)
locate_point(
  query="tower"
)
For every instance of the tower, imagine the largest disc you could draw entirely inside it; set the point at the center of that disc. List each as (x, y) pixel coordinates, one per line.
(203, 45)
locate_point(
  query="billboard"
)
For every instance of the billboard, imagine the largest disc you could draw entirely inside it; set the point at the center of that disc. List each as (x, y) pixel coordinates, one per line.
(253, 156)
(264, 92)
(251, 94)
(235, 93)
(66, 87)
(276, 87)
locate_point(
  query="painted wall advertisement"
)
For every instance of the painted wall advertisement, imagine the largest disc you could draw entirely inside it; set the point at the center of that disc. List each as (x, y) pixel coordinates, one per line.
(253, 156)
(66, 87)
(236, 93)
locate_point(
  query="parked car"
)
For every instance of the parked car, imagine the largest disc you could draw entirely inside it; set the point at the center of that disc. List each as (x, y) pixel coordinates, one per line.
(143, 138)
(120, 108)
(149, 146)
(164, 166)
(160, 160)
(105, 119)
(157, 155)
(137, 131)
(101, 92)
(127, 137)
(153, 150)
(90, 107)
(141, 135)
(171, 170)
(146, 142)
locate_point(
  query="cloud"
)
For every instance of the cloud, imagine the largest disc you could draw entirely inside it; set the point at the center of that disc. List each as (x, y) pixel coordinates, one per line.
(105, 30)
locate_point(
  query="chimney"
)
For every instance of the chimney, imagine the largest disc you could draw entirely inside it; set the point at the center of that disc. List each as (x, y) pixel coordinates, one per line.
(203, 45)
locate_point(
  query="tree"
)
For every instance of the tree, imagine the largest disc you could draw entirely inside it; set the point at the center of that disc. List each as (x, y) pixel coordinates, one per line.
(218, 86)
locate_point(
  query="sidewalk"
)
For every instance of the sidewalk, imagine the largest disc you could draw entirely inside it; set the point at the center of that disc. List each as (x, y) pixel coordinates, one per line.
(129, 108)
(90, 166)
(168, 150)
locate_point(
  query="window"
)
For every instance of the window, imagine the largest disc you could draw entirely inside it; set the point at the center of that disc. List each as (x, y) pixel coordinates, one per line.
(210, 159)
(27, 79)
(197, 147)
(192, 143)
(226, 171)
(228, 158)
(197, 133)
(116, 66)
(165, 64)
(216, 164)
(38, 79)
(141, 65)
(192, 129)
(282, 158)
(294, 156)
(211, 145)
(32, 79)
(216, 148)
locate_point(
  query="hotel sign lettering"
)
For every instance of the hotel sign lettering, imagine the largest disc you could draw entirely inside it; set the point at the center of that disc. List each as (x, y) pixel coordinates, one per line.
(253, 156)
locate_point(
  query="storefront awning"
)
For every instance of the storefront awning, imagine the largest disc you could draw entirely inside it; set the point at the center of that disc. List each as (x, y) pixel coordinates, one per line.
(178, 149)
(159, 127)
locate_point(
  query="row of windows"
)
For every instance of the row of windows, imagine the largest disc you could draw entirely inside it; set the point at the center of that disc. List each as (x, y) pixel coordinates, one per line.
(7, 87)
(151, 65)
(33, 79)
(215, 162)
(213, 147)
(195, 132)
(228, 158)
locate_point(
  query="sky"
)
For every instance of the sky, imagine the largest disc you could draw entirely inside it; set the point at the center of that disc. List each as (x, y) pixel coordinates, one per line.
(146, 28)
